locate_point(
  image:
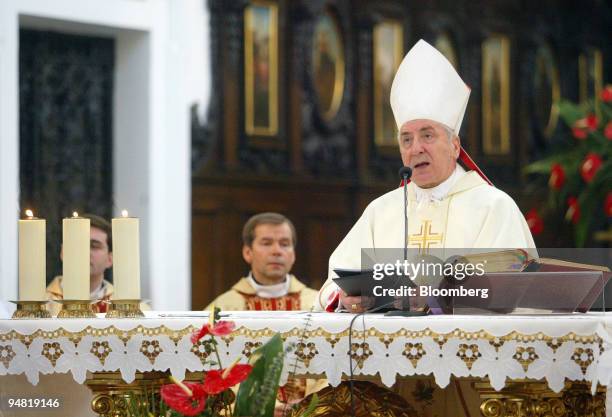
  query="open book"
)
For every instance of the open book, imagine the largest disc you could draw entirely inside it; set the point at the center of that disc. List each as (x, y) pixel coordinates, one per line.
(515, 260)
(514, 278)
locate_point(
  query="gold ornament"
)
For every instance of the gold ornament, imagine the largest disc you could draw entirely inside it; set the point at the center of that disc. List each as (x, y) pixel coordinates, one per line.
(370, 400)
(124, 309)
(31, 310)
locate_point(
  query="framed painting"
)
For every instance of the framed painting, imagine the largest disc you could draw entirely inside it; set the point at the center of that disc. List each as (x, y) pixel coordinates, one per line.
(546, 91)
(445, 45)
(590, 71)
(261, 68)
(328, 66)
(496, 95)
(388, 45)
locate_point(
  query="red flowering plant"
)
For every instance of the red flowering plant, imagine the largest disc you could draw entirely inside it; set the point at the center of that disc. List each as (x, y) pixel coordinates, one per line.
(580, 170)
(213, 396)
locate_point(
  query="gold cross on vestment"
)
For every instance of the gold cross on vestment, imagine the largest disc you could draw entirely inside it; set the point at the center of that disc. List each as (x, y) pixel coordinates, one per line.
(425, 238)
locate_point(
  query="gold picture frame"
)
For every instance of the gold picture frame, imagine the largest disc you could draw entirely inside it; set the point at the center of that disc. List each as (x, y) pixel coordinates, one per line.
(261, 68)
(590, 71)
(328, 66)
(388, 45)
(496, 95)
(547, 91)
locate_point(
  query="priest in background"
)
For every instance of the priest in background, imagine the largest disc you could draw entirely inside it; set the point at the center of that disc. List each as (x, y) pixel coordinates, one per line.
(448, 206)
(100, 259)
(269, 241)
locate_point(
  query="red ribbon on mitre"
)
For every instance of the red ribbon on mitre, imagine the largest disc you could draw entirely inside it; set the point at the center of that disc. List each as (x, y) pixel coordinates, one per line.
(469, 164)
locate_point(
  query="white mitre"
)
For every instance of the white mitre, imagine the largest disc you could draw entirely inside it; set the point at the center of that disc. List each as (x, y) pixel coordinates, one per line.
(426, 86)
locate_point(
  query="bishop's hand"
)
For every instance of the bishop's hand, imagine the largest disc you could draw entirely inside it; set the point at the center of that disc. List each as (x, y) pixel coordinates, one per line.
(354, 304)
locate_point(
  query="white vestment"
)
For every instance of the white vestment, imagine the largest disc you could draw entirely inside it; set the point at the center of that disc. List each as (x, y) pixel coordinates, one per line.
(462, 212)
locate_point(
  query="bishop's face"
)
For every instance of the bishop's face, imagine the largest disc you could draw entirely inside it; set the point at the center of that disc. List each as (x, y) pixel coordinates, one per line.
(425, 147)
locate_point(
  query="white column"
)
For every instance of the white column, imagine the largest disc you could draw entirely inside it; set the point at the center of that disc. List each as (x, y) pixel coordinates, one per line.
(9, 149)
(131, 130)
(170, 175)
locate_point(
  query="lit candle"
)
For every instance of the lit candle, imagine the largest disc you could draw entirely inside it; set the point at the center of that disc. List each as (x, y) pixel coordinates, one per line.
(126, 257)
(32, 262)
(76, 231)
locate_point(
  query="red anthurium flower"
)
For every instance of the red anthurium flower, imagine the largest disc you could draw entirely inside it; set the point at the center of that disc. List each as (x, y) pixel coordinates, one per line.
(218, 381)
(195, 336)
(608, 205)
(591, 122)
(557, 177)
(590, 166)
(534, 221)
(579, 133)
(608, 131)
(573, 211)
(188, 398)
(606, 94)
(223, 328)
(220, 328)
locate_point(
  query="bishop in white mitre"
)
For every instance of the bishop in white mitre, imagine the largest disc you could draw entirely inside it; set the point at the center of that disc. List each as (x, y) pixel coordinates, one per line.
(448, 206)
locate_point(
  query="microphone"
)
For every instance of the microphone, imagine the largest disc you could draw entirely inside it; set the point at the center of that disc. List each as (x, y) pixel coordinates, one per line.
(405, 173)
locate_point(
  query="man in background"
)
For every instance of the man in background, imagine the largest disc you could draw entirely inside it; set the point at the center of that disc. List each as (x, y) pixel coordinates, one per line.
(100, 259)
(269, 241)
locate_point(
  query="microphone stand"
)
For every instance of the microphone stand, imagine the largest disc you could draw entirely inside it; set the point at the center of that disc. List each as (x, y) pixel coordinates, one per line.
(405, 174)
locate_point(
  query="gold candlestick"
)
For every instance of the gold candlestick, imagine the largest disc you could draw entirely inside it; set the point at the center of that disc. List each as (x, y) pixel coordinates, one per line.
(31, 310)
(75, 309)
(126, 309)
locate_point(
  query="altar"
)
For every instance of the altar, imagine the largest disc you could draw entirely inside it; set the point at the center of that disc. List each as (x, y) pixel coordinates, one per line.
(544, 354)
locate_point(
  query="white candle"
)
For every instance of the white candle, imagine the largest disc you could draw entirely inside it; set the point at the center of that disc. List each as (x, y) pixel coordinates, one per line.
(32, 262)
(76, 232)
(126, 257)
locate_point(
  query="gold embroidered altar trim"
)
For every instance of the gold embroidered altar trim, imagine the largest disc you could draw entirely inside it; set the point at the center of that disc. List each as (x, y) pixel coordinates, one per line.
(332, 338)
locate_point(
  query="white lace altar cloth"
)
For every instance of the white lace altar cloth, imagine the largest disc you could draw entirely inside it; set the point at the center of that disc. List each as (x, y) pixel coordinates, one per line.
(501, 348)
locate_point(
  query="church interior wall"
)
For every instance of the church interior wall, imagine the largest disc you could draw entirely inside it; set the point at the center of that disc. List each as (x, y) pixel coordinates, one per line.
(151, 117)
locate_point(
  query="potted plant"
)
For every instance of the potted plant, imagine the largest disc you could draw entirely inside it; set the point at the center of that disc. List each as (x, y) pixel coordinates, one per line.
(579, 170)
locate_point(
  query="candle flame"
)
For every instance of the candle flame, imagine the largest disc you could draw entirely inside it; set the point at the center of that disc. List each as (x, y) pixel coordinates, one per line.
(29, 213)
(75, 214)
(124, 213)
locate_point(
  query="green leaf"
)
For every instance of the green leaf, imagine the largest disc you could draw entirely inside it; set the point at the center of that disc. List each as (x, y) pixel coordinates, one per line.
(540, 167)
(314, 401)
(257, 394)
(571, 112)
